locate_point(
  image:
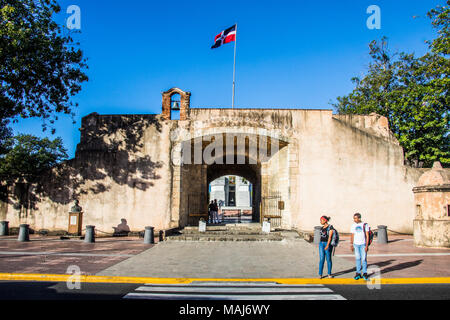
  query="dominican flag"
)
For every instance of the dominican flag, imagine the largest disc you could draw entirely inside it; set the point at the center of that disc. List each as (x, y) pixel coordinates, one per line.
(229, 35)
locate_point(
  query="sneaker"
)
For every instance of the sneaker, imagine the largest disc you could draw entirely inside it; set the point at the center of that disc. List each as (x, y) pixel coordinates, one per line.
(357, 277)
(365, 276)
(330, 276)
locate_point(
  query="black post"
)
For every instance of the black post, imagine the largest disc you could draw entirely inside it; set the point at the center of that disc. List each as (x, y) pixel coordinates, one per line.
(90, 234)
(4, 229)
(24, 233)
(149, 236)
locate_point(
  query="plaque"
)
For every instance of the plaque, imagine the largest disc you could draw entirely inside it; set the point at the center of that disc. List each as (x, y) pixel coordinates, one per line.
(202, 226)
(266, 227)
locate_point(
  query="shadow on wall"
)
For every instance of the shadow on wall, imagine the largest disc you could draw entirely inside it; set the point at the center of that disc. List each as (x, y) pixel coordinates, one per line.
(122, 229)
(109, 148)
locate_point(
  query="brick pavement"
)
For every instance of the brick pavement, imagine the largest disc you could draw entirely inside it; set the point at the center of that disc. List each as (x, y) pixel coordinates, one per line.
(90, 257)
(393, 264)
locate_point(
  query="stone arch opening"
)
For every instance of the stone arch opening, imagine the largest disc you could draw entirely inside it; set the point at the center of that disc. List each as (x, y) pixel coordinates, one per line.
(234, 196)
(252, 173)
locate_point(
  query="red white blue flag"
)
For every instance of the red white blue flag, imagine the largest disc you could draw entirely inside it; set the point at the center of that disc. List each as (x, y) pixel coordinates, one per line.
(226, 36)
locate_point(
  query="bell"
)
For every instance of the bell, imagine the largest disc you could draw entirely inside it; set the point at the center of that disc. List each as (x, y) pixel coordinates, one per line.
(176, 105)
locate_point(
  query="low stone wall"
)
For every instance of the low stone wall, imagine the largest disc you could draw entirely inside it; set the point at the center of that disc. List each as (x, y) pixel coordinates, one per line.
(432, 233)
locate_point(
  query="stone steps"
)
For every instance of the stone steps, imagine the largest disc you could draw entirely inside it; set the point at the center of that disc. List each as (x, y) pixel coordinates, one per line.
(238, 232)
(230, 232)
(224, 237)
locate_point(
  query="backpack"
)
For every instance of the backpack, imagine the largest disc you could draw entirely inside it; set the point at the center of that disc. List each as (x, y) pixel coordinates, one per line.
(335, 238)
(370, 234)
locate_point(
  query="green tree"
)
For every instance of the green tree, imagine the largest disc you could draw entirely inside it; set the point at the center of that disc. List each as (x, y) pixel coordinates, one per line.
(29, 156)
(413, 93)
(40, 68)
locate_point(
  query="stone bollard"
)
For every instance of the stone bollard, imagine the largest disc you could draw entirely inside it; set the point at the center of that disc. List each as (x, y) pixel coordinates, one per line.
(89, 237)
(4, 229)
(24, 233)
(317, 234)
(149, 236)
(382, 236)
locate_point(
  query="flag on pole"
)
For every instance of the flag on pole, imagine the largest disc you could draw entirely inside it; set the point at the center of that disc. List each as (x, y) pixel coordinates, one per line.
(226, 36)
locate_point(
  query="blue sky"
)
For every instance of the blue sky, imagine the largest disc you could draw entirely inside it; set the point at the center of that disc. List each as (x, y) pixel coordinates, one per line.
(299, 54)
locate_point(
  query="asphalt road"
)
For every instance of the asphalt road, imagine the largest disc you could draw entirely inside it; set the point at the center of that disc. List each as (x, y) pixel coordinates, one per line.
(13, 290)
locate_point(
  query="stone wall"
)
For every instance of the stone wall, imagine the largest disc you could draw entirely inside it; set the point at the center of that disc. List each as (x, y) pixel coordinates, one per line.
(326, 164)
(121, 171)
(347, 168)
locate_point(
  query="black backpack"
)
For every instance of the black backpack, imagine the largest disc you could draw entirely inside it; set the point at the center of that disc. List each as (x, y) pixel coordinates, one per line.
(370, 234)
(335, 238)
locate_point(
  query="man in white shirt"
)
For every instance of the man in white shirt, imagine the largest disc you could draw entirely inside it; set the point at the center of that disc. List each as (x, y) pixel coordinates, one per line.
(359, 243)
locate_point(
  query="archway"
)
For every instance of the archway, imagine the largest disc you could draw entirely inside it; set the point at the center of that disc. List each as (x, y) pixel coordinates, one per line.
(245, 155)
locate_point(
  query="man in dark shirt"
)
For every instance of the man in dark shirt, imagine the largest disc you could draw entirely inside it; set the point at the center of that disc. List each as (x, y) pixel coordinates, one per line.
(216, 211)
(211, 211)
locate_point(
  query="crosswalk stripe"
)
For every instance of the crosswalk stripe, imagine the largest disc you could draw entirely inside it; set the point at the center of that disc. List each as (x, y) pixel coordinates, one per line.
(231, 290)
(156, 296)
(234, 284)
(209, 290)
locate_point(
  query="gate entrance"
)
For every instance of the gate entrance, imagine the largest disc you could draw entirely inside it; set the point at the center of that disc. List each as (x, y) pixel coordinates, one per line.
(271, 207)
(234, 196)
(255, 173)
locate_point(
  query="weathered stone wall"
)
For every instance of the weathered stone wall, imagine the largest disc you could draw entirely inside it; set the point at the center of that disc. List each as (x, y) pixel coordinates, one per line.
(121, 171)
(347, 168)
(326, 164)
(432, 233)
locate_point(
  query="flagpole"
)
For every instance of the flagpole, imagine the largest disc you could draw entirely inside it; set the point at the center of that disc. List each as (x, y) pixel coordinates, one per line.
(234, 68)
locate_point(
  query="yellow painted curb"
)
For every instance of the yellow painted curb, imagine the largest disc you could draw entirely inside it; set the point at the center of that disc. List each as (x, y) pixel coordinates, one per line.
(144, 280)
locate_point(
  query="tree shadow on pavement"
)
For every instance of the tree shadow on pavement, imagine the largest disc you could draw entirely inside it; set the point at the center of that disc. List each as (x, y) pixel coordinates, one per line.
(401, 266)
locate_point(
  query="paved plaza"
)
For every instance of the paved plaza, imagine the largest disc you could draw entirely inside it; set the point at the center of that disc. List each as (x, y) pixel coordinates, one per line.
(286, 259)
(292, 258)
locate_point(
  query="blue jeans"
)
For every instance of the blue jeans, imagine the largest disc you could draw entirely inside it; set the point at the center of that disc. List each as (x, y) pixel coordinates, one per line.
(325, 254)
(361, 258)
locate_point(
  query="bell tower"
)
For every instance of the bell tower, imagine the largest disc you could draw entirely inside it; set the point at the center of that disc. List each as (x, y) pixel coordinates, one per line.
(171, 105)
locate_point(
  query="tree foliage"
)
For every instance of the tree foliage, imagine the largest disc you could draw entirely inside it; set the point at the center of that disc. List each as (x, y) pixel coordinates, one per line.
(40, 69)
(412, 92)
(28, 156)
